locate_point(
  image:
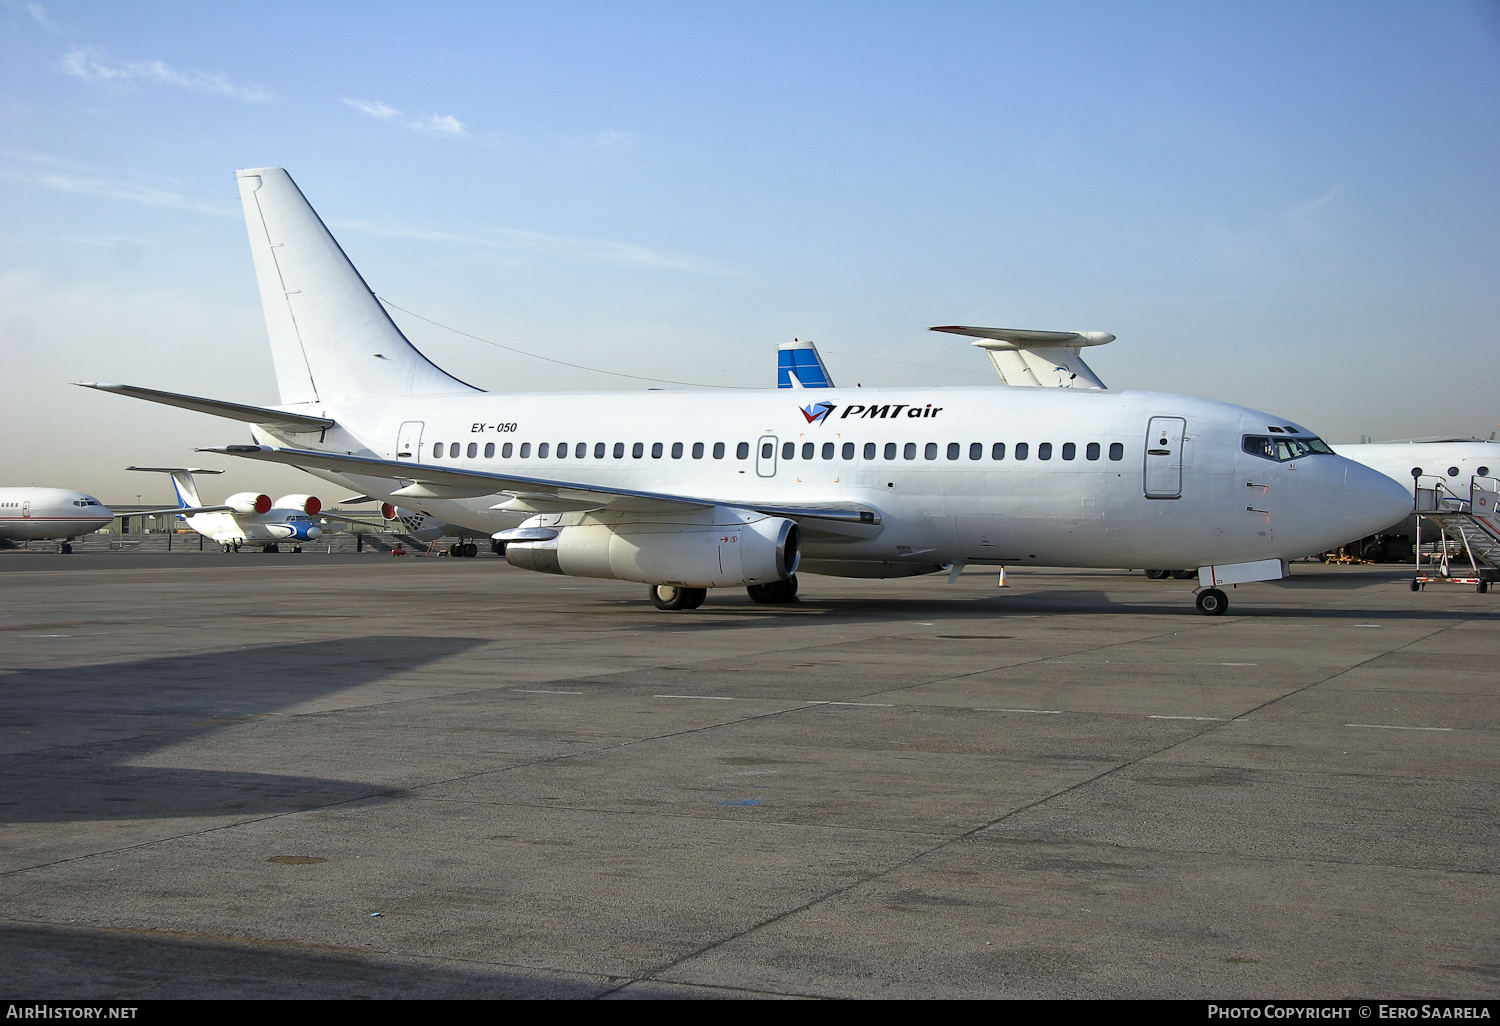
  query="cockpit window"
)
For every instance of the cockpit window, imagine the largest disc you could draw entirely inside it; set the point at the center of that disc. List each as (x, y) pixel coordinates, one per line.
(1283, 449)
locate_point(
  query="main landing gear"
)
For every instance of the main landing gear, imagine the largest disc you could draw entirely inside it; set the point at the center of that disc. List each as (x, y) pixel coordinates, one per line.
(667, 596)
(463, 550)
(64, 548)
(1212, 602)
(775, 592)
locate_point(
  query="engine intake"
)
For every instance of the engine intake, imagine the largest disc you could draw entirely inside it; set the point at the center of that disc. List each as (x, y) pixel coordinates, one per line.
(309, 504)
(249, 502)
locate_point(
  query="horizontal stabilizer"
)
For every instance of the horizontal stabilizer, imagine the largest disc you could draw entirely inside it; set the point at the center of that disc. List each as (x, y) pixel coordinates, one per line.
(174, 470)
(1021, 338)
(259, 415)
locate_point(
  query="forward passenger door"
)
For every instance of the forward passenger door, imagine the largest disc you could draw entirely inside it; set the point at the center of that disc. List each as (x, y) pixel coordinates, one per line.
(1164, 457)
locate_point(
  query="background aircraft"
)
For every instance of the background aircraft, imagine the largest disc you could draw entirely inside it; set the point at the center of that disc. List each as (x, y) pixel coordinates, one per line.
(32, 514)
(245, 517)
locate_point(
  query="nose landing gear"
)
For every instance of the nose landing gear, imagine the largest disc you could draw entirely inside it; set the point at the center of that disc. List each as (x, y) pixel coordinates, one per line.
(1212, 602)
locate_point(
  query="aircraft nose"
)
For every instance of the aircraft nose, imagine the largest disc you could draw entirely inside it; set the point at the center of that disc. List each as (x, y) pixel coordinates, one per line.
(1372, 501)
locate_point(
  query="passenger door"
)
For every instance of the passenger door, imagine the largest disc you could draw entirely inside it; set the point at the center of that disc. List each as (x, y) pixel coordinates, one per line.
(409, 441)
(1164, 457)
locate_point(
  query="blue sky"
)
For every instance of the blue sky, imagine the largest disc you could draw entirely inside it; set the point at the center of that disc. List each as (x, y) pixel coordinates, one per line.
(1291, 206)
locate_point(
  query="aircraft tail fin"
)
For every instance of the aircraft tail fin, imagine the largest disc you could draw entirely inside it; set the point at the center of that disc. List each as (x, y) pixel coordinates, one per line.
(330, 337)
(800, 365)
(182, 483)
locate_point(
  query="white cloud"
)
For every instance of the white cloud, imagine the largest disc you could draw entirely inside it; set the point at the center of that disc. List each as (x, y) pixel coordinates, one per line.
(116, 189)
(375, 110)
(94, 68)
(39, 14)
(587, 251)
(441, 124)
(432, 124)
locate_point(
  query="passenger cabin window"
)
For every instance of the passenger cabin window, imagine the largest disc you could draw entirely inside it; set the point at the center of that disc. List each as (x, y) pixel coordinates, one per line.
(489, 450)
(869, 450)
(506, 450)
(890, 450)
(954, 450)
(809, 450)
(847, 451)
(580, 450)
(542, 450)
(788, 450)
(525, 450)
(473, 450)
(599, 450)
(453, 451)
(929, 451)
(1044, 451)
(767, 450)
(677, 450)
(828, 450)
(976, 450)
(997, 451)
(619, 450)
(909, 451)
(742, 451)
(637, 450)
(437, 450)
(562, 450)
(718, 450)
(1092, 452)
(1117, 451)
(656, 450)
(697, 450)
(1069, 450)
(1022, 450)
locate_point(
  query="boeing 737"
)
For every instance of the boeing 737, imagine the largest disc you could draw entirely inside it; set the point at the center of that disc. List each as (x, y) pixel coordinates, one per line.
(687, 491)
(33, 514)
(245, 517)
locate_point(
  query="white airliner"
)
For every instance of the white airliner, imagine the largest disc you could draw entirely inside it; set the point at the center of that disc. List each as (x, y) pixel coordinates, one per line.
(686, 491)
(1448, 466)
(245, 517)
(32, 514)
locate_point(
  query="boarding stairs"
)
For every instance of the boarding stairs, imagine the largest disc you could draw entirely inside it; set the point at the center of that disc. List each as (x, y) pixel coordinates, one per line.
(1472, 520)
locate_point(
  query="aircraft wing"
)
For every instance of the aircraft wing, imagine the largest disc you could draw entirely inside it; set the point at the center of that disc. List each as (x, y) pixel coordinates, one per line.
(428, 482)
(184, 510)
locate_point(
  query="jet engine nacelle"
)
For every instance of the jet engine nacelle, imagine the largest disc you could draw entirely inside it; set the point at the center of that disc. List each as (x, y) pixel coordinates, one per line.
(688, 556)
(389, 511)
(249, 502)
(309, 504)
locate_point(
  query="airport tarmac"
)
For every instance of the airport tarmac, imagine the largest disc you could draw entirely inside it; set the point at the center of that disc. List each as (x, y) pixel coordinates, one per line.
(358, 776)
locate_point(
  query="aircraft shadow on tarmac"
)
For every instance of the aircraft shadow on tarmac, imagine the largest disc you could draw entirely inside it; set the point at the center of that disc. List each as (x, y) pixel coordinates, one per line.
(107, 715)
(68, 963)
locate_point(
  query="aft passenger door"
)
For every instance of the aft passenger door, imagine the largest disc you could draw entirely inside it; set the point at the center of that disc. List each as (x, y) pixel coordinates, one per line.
(409, 441)
(1164, 457)
(765, 456)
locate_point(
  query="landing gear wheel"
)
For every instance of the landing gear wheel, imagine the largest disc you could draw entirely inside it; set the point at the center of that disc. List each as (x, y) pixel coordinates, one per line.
(1157, 575)
(1416, 585)
(1184, 575)
(455, 550)
(470, 550)
(775, 592)
(1482, 587)
(66, 549)
(1212, 602)
(670, 597)
(270, 548)
(296, 548)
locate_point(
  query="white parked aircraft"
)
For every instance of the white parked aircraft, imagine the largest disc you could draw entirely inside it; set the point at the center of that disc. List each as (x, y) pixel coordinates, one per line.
(245, 517)
(686, 491)
(31, 514)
